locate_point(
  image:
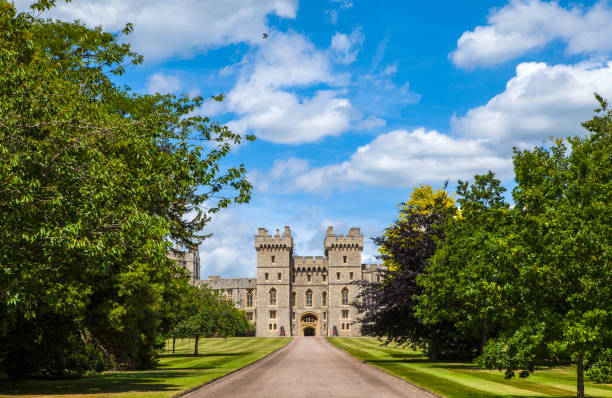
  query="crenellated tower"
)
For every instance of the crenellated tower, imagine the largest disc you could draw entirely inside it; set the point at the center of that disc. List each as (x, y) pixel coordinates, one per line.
(343, 253)
(274, 262)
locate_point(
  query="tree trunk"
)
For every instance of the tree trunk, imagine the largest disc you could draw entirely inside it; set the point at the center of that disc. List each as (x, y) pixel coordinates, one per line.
(434, 347)
(580, 374)
(195, 351)
(483, 336)
(173, 344)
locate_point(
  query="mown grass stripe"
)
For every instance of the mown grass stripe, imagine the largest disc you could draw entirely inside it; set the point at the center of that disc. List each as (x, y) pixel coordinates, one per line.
(177, 373)
(456, 379)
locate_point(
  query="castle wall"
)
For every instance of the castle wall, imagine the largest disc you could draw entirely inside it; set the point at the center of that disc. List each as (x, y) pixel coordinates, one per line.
(316, 283)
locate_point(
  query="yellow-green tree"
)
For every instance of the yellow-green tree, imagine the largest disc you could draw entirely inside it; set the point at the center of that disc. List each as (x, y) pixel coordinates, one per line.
(388, 308)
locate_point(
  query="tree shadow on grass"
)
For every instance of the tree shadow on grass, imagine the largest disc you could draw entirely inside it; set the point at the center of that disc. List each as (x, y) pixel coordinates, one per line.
(92, 385)
(149, 381)
(220, 354)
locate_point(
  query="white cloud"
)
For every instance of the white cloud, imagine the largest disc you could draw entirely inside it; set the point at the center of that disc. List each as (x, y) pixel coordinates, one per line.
(401, 159)
(163, 83)
(540, 101)
(266, 97)
(163, 29)
(229, 252)
(524, 25)
(345, 48)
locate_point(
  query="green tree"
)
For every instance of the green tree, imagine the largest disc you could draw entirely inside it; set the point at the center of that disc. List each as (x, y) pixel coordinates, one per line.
(464, 283)
(389, 307)
(209, 314)
(94, 181)
(562, 249)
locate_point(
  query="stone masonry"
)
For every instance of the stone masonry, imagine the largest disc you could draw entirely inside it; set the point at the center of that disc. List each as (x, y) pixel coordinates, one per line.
(296, 296)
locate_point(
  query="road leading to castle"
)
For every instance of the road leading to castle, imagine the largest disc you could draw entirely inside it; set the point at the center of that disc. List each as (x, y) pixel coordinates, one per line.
(309, 367)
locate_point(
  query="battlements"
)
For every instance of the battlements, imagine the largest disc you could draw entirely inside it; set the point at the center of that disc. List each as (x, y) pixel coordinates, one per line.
(263, 240)
(354, 240)
(372, 267)
(309, 261)
(217, 283)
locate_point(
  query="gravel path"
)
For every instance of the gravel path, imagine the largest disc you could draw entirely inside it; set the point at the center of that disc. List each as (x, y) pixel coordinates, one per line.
(309, 367)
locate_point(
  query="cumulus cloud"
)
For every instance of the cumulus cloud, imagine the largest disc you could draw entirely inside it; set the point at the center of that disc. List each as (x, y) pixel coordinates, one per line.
(163, 29)
(524, 25)
(267, 98)
(229, 252)
(539, 101)
(400, 159)
(345, 48)
(163, 83)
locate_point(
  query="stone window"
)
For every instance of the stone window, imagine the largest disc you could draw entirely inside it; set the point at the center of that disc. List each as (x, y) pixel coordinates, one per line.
(350, 275)
(308, 277)
(272, 314)
(275, 326)
(324, 299)
(273, 259)
(273, 296)
(345, 296)
(338, 275)
(280, 276)
(325, 316)
(293, 316)
(230, 294)
(348, 326)
(308, 298)
(266, 276)
(270, 327)
(324, 277)
(293, 278)
(250, 316)
(344, 259)
(345, 314)
(343, 326)
(293, 295)
(249, 299)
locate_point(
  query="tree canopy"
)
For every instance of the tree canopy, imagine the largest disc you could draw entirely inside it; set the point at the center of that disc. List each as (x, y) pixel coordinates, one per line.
(522, 286)
(95, 180)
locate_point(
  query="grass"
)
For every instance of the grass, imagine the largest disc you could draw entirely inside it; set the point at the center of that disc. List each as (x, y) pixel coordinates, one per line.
(461, 379)
(176, 372)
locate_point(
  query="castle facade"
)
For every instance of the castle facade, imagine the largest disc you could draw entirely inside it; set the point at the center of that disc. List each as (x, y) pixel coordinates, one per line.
(301, 296)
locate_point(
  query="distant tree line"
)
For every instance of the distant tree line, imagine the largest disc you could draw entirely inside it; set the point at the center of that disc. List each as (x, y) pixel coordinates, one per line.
(512, 286)
(95, 181)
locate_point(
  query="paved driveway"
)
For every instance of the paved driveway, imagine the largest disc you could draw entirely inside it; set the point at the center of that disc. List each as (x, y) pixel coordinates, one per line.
(309, 367)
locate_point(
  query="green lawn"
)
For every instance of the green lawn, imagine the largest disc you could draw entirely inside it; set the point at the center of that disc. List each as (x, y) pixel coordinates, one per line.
(460, 379)
(176, 373)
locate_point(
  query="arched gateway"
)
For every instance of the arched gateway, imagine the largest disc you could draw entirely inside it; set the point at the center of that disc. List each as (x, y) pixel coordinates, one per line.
(309, 324)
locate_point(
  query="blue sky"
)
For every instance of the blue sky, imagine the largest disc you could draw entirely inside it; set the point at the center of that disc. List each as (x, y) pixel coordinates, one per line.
(355, 103)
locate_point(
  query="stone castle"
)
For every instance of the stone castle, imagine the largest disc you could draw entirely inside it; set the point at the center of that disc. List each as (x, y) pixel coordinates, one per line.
(293, 295)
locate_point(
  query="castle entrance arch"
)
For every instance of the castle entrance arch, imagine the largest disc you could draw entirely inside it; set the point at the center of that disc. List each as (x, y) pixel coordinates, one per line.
(309, 324)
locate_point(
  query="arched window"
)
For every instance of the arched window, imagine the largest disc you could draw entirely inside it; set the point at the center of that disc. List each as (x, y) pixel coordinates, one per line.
(345, 296)
(308, 298)
(249, 299)
(293, 298)
(273, 296)
(324, 299)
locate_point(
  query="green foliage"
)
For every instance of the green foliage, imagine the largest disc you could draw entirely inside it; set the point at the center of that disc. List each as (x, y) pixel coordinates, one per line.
(206, 313)
(464, 283)
(94, 180)
(601, 370)
(388, 308)
(534, 281)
